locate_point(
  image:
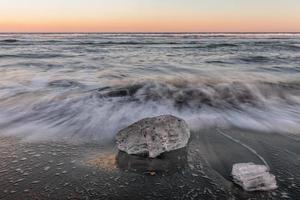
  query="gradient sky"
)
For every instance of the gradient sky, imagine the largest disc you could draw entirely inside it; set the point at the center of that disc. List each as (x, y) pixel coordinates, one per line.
(149, 15)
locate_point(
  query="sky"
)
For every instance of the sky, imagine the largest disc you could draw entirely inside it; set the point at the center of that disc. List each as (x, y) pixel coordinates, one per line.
(149, 15)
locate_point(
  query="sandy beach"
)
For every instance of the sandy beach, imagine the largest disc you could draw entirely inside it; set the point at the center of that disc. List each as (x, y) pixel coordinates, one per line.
(52, 170)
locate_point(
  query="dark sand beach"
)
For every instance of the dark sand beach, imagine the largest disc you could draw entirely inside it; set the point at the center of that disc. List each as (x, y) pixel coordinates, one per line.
(200, 171)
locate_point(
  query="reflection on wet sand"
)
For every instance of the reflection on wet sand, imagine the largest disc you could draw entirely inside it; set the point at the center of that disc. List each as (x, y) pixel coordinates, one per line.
(105, 161)
(166, 164)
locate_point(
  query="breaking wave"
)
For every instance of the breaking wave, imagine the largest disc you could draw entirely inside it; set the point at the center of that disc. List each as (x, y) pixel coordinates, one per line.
(82, 113)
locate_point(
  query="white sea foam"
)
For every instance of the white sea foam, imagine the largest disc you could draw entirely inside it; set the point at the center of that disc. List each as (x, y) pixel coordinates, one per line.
(99, 115)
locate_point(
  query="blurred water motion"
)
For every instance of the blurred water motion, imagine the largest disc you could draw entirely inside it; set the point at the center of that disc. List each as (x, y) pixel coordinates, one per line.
(88, 86)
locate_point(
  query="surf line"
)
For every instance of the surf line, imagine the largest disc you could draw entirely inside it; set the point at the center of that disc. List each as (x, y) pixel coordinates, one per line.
(245, 146)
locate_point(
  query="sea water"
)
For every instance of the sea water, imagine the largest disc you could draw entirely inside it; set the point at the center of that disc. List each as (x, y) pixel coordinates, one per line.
(89, 86)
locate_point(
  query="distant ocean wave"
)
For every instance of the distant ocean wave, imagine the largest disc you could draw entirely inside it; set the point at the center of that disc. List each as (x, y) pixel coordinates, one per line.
(97, 43)
(9, 41)
(34, 56)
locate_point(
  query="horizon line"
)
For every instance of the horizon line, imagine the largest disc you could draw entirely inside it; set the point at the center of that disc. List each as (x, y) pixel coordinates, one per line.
(152, 32)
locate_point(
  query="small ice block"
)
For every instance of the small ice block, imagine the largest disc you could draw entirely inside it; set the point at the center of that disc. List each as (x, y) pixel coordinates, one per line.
(253, 177)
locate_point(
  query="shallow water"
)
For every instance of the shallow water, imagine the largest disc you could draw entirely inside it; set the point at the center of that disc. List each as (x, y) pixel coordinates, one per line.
(88, 86)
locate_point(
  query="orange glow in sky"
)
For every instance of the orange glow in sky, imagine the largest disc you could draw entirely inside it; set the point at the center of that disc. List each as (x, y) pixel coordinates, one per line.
(149, 16)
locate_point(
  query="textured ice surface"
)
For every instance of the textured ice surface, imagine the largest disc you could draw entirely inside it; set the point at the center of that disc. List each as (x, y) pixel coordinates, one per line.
(253, 177)
(153, 136)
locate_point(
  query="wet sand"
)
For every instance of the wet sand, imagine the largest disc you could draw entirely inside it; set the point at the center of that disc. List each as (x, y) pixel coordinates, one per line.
(53, 170)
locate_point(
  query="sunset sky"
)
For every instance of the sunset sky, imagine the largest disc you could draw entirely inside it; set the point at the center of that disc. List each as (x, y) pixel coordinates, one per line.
(149, 15)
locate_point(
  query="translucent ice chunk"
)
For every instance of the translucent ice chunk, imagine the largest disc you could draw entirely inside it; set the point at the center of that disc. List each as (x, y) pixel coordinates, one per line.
(253, 177)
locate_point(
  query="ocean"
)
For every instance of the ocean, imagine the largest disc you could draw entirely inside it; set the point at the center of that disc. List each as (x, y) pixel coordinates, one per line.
(88, 86)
